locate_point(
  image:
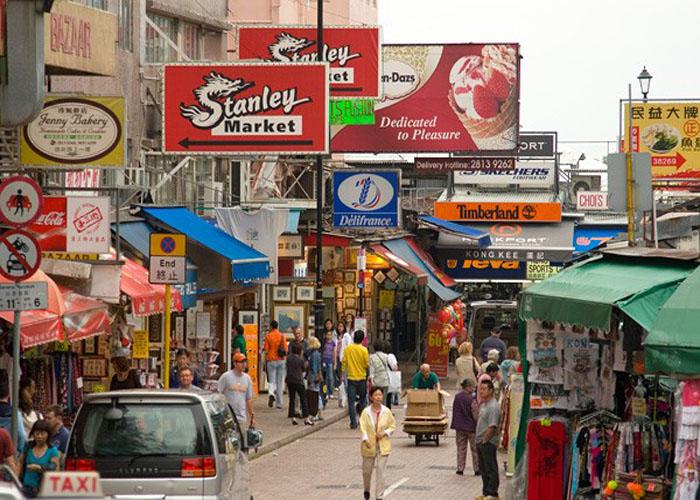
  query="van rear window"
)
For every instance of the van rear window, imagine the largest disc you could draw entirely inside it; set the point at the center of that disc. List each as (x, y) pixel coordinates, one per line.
(145, 428)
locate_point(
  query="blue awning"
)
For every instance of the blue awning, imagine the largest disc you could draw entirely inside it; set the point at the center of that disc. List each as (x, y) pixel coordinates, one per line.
(137, 234)
(478, 236)
(246, 263)
(402, 249)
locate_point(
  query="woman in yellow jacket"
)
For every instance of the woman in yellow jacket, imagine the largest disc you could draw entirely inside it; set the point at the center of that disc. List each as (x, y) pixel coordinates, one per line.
(377, 424)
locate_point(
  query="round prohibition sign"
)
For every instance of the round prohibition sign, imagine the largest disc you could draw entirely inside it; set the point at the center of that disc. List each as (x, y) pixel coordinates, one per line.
(20, 200)
(167, 245)
(20, 255)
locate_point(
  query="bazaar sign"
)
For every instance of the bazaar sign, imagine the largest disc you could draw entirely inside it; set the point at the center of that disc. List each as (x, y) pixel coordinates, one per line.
(224, 109)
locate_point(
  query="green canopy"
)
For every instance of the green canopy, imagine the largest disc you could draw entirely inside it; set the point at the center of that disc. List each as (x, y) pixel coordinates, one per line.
(673, 343)
(585, 293)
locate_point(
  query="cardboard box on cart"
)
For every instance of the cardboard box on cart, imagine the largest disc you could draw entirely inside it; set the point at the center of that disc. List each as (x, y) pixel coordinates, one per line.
(425, 403)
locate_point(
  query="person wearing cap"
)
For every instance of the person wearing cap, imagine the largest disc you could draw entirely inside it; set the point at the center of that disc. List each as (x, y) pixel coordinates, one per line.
(493, 342)
(237, 387)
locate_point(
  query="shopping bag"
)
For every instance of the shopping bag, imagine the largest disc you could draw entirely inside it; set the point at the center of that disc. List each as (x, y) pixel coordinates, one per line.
(394, 381)
(342, 397)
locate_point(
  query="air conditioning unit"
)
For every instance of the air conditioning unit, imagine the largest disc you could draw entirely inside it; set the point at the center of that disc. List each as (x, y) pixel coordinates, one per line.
(580, 182)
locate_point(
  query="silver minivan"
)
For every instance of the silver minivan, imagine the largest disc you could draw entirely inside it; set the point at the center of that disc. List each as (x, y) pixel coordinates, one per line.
(154, 444)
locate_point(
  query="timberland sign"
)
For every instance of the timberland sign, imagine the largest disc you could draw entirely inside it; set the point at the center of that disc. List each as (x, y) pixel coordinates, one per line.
(498, 211)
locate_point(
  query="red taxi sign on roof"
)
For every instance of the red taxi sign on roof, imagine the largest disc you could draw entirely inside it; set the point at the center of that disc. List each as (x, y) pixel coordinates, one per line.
(71, 485)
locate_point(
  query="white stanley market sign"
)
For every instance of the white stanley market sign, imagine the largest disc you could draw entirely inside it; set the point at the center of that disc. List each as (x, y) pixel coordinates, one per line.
(526, 174)
(591, 200)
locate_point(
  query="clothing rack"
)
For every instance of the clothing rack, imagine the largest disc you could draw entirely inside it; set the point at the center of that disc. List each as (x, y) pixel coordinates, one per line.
(598, 414)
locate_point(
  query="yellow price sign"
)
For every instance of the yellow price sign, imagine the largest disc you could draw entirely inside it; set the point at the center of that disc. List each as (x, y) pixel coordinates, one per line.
(140, 345)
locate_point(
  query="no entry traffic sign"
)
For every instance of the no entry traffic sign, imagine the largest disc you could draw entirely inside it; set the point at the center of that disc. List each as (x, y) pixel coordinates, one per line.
(20, 255)
(20, 200)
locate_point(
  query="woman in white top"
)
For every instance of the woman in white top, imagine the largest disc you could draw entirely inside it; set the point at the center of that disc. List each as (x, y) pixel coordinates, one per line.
(379, 369)
(466, 364)
(27, 388)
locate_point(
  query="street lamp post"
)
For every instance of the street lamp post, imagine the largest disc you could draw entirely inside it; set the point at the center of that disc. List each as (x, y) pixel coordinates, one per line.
(644, 83)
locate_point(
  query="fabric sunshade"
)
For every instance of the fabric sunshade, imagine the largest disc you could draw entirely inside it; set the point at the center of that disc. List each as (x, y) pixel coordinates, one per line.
(40, 326)
(673, 343)
(146, 299)
(479, 237)
(246, 263)
(399, 262)
(84, 316)
(405, 250)
(585, 294)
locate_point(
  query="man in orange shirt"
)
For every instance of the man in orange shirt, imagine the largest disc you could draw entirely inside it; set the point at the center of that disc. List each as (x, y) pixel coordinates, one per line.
(275, 348)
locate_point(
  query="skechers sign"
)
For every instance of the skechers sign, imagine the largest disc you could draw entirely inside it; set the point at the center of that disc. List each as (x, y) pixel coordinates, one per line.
(525, 174)
(366, 199)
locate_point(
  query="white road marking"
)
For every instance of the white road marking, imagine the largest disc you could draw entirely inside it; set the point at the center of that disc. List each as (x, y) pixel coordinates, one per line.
(388, 491)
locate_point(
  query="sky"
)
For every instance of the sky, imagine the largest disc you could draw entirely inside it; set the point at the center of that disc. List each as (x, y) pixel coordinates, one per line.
(578, 56)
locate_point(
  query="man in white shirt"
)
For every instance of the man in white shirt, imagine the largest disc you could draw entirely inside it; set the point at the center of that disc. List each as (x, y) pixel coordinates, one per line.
(237, 386)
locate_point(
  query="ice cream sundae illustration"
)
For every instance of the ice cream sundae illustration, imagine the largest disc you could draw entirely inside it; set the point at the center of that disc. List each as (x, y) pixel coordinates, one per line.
(483, 95)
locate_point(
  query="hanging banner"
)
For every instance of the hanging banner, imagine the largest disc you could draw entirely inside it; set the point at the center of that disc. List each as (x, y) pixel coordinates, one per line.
(441, 98)
(240, 108)
(351, 51)
(438, 348)
(670, 132)
(75, 131)
(250, 332)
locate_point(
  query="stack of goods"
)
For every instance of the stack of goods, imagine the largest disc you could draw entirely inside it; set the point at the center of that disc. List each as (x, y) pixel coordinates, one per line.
(425, 413)
(688, 434)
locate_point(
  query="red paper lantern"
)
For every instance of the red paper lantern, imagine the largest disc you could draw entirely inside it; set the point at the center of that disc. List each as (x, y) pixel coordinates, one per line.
(443, 315)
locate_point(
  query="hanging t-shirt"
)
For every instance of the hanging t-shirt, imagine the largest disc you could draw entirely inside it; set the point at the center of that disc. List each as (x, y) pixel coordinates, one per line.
(259, 229)
(545, 471)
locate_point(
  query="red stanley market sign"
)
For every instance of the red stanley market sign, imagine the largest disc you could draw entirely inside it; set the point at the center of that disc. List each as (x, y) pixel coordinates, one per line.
(351, 51)
(245, 108)
(460, 98)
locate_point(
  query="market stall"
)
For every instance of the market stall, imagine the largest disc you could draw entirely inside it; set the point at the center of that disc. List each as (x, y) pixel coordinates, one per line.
(593, 421)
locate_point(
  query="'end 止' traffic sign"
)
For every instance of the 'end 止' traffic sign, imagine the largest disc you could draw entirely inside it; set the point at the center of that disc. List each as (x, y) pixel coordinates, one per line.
(168, 245)
(20, 200)
(20, 255)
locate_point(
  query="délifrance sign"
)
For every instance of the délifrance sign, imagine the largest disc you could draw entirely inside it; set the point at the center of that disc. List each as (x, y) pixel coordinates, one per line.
(245, 108)
(366, 199)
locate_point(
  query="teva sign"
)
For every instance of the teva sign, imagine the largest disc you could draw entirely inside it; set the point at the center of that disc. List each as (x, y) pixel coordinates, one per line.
(366, 199)
(243, 108)
(351, 51)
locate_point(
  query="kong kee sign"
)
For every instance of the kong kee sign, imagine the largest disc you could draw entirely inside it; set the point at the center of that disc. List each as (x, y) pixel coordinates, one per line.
(225, 109)
(498, 211)
(351, 51)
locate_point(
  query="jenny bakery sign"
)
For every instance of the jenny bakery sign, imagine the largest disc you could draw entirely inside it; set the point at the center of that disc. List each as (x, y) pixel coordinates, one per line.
(442, 98)
(75, 131)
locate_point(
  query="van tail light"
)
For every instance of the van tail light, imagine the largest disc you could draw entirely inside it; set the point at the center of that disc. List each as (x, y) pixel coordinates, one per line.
(80, 464)
(198, 467)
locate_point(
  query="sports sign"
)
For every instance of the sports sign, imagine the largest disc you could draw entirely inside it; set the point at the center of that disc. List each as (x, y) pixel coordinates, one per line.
(351, 51)
(464, 164)
(537, 145)
(525, 174)
(366, 199)
(20, 200)
(441, 98)
(75, 131)
(590, 200)
(24, 296)
(74, 224)
(541, 270)
(498, 211)
(242, 108)
(670, 132)
(20, 255)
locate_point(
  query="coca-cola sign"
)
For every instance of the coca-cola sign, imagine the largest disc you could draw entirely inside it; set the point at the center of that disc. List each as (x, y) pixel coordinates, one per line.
(73, 224)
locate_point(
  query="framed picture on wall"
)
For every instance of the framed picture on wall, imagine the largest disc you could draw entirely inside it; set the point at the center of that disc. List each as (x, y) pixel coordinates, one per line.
(338, 276)
(350, 302)
(282, 293)
(339, 292)
(247, 317)
(90, 346)
(94, 367)
(305, 293)
(349, 288)
(290, 317)
(349, 277)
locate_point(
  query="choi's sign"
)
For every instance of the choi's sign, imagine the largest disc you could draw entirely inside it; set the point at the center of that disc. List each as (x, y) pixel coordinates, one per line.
(351, 51)
(75, 131)
(245, 108)
(366, 199)
(589, 200)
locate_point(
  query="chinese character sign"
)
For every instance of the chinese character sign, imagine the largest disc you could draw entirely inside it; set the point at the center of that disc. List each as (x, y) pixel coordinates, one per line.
(670, 132)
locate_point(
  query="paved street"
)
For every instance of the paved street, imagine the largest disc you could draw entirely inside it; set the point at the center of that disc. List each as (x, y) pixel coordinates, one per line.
(326, 464)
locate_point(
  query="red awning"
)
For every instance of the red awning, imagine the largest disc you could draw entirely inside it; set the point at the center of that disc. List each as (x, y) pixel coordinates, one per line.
(327, 240)
(146, 299)
(399, 262)
(84, 316)
(428, 261)
(41, 326)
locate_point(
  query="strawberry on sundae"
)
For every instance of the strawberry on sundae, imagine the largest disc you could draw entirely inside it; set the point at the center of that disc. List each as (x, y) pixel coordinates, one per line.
(483, 95)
